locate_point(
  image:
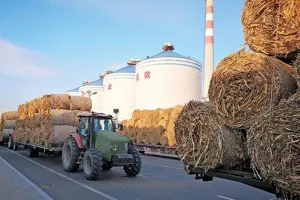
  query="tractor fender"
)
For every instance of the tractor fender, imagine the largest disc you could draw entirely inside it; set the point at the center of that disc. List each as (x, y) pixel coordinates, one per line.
(78, 140)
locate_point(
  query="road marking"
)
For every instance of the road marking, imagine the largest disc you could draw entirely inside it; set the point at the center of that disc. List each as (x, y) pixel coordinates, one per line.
(68, 178)
(155, 163)
(273, 198)
(35, 187)
(222, 197)
(138, 175)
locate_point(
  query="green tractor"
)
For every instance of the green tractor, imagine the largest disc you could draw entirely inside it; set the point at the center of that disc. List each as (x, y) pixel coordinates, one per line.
(98, 147)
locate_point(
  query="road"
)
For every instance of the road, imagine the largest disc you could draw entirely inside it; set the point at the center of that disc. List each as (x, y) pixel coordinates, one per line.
(160, 179)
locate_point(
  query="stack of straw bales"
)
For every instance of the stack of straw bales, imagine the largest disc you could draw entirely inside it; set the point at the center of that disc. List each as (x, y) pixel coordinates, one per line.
(50, 119)
(7, 122)
(255, 92)
(152, 126)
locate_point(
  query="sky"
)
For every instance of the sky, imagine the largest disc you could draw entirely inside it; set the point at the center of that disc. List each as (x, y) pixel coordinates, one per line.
(51, 46)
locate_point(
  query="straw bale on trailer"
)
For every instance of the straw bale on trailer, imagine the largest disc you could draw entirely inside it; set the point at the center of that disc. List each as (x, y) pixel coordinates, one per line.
(50, 119)
(273, 144)
(246, 84)
(152, 126)
(11, 115)
(297, 69)
(202, 142)
(272, 26)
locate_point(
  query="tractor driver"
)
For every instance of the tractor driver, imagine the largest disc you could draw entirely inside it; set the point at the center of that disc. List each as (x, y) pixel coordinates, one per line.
(98, 126)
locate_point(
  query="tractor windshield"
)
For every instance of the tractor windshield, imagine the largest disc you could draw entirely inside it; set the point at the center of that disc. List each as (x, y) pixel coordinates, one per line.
(101, 124)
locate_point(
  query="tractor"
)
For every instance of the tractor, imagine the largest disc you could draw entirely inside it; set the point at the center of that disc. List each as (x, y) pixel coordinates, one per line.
(97, 146)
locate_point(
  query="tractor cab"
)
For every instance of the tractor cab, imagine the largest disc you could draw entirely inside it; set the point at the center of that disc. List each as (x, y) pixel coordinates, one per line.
(99, 147)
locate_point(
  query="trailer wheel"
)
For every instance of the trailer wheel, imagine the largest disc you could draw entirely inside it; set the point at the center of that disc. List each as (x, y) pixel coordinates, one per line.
(92, 164)
(70, 155)
(15, 146)
(10, 142)
(31, 152)
(135, 168)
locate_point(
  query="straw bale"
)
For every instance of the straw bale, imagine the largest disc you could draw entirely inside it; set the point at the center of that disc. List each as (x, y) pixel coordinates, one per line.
(202, 142)
(246, 84)
(273, 143)
(170, 127)
(80, 103)
(297, 69)
(11, 115)
(272, 26)
(9, 124)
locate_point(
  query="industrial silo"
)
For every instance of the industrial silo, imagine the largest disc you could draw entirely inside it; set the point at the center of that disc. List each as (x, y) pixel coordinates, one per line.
(95, 91)
(167, 79)
(74, 92)
(119, 91)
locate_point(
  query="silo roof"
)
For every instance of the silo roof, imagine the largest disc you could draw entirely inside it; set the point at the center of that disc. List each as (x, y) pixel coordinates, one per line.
(127, 69)
(98, 82)
(168, 53)
(74, 90)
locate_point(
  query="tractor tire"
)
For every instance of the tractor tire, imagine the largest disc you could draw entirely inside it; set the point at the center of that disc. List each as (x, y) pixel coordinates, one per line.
(70, 155)
(92, 164)
(31, 152)
(135, 168)
(107, 166)
(10, 142)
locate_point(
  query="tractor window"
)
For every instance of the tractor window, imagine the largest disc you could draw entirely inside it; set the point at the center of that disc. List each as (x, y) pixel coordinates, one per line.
(103, 124)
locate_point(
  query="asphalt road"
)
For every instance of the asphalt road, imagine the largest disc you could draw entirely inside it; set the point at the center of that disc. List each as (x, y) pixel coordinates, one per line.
(160, 179)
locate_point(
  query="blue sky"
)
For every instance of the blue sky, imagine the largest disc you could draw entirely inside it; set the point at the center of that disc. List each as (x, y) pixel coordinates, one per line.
(50, 46)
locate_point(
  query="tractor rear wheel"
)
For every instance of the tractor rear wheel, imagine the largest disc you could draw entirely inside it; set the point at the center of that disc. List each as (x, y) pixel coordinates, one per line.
(70, 155)
(92, 164)
(135, 168)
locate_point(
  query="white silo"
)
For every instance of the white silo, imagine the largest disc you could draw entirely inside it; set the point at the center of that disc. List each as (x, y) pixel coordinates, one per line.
(167, 79)
(95, 91)
(74, 92)
(119, 91)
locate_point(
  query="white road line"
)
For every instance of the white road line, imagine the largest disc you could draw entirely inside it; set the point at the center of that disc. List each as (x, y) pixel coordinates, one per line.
(68, 178)
(138, 175)
(222, 197)
(273, 198)
(40, 191)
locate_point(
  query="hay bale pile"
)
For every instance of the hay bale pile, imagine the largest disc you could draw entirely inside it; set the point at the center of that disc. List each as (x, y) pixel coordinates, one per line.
(273, 143)
(7, 122)
(202, 142)
(152, 126)
(49, 119)
(255, 92)
(247, 84)
(272, 27)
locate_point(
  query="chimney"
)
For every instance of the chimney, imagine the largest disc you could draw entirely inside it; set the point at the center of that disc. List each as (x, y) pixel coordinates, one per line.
(209, 47)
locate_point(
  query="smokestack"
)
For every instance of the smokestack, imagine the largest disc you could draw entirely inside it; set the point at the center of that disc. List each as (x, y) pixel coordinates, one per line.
(209, 47)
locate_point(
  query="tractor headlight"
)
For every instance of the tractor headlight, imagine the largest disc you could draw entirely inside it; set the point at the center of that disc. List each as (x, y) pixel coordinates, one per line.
(114, 146)
(126, 146)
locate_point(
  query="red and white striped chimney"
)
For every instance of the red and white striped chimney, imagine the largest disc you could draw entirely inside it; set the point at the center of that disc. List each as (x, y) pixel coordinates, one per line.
(209, 47)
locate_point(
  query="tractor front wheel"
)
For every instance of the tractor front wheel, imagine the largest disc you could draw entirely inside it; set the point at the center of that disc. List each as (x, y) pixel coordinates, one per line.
(135, 168)
(32, 152)
(92, 164)
(70, 155)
